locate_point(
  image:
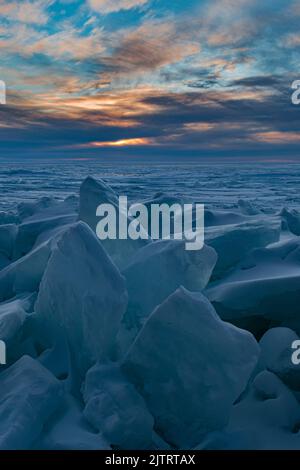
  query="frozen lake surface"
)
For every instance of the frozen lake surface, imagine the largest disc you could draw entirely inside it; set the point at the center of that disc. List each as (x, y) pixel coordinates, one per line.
(267, 186)
(142, 344)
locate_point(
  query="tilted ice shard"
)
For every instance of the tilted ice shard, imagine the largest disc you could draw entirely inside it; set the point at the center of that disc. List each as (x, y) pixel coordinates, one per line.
(30, 231)
(29, 395)
(190, 367)
(114, 407)
(83, 294)
(157, 271)
(25, 274)
(92, 194)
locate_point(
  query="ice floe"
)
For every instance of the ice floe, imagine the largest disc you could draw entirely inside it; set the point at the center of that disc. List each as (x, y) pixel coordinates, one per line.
(29, 396)
(190, 367)
(92, 194)
(114, 408)
(82, 293)
(161, 267)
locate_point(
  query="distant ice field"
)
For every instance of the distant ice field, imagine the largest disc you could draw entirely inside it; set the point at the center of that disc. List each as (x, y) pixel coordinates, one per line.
(267, 186)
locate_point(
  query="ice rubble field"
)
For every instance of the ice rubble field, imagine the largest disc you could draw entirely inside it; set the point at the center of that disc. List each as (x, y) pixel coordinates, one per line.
(144, 345)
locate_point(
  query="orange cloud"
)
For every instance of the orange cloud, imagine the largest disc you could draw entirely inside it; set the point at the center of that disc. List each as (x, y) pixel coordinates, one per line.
(120, 109)
(122, 142)
(277, 137)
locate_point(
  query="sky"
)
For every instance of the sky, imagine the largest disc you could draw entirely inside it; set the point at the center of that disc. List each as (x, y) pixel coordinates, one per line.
(142, 79)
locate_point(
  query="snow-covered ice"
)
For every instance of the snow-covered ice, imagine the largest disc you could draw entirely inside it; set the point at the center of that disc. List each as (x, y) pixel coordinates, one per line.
(29, 396)
(265, 284)
(114, 408)
(92, 194)
(176, 267)
(232, 242)
(141, 344)
(67, 429)
(25, 274)
(267, 418)
(82, 294)
(190, 367)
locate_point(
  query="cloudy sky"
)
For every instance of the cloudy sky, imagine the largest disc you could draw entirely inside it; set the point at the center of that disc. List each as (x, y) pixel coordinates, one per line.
(150, 78)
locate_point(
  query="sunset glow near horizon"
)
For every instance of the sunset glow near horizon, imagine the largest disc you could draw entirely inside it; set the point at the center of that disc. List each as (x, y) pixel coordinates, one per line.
(204, 78)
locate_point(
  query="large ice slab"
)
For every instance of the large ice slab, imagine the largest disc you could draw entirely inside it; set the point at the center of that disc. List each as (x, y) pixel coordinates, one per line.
(190, 367)
(92, 194)
(29, 395)
(25, 274)
(83, 294)
(30, 231)
(114, 407)
(41, 221)
(157, 271)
